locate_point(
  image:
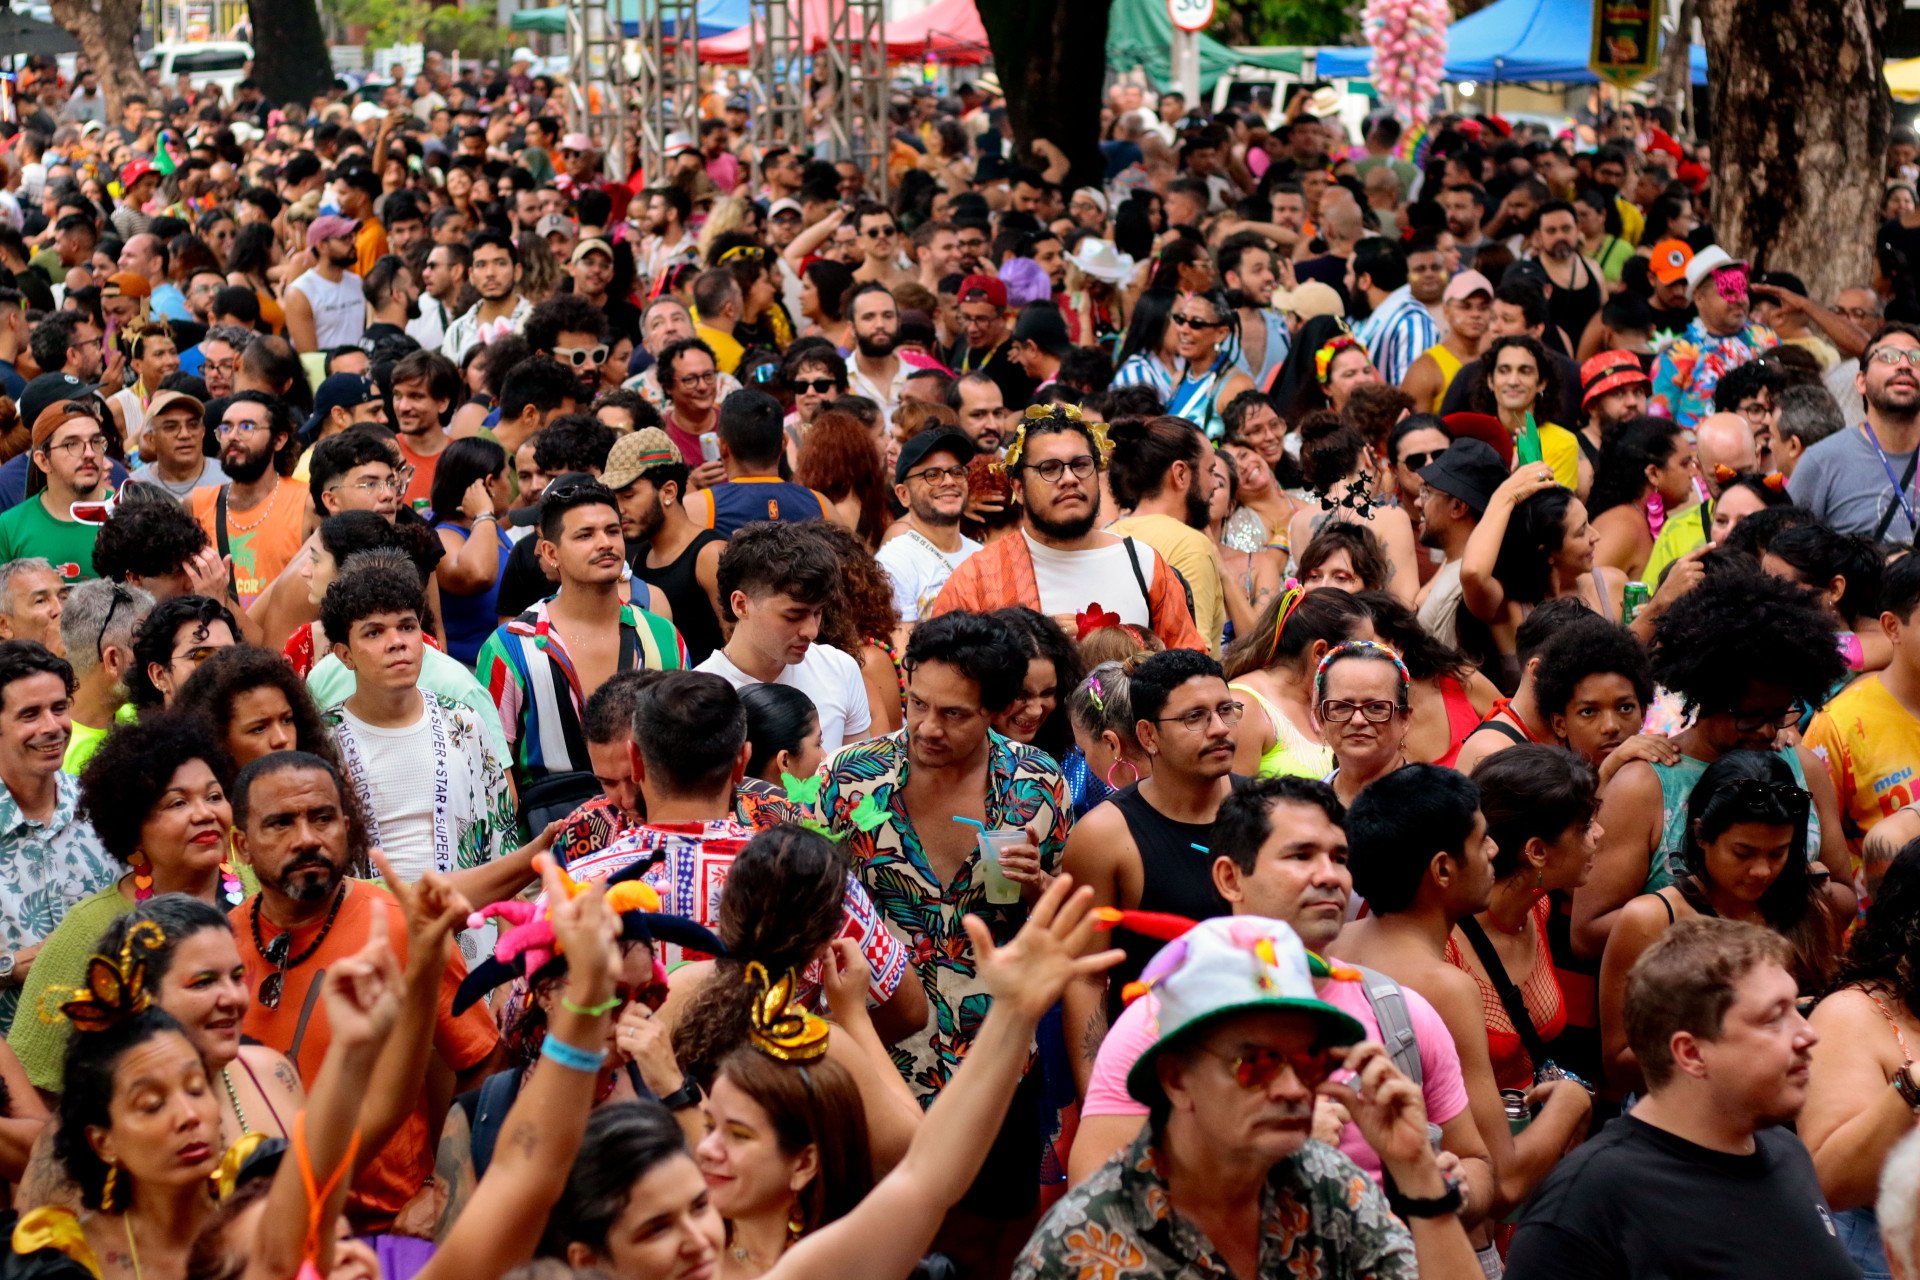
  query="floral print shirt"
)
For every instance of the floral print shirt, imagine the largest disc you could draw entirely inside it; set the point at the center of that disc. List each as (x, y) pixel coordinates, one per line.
(1685, 374)
(1321, 1218)
(45, 867)
(1025, 789)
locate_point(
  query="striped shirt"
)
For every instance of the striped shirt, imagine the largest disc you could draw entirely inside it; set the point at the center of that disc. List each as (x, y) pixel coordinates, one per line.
(1143, 369)
(1397, 333)
(526, 670)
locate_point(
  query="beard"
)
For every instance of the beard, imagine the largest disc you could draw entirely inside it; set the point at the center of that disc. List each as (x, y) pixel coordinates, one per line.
(926, 513)
(310, 877)
(1560, 251)
(1065, 530)
(876, 346)
(1199, 510)
(248, 467)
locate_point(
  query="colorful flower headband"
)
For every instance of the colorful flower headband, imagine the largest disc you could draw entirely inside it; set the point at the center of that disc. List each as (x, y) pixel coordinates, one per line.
(1323, 358)
(1359, 649)
(776, 1024)
(1291, 594)
(1070, 413)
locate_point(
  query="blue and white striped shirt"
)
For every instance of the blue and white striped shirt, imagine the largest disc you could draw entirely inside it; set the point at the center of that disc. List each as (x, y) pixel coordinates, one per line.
(1397, 333)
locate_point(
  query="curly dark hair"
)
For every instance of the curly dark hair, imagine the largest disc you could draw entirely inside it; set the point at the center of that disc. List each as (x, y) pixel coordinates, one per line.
(362, 590)
(222, 679)
(153, 642)
(785, 901)
(562, 313)
(837, 457)
(148, 538)
(1589, 646)
(132, 769)
(1481, 398)
(1885, 951)
(1626, 453)
(1740, 626)
(864, 607)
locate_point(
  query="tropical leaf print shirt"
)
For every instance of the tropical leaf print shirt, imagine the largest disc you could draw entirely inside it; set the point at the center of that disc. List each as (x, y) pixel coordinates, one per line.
(868, 780)
(1321, 1218)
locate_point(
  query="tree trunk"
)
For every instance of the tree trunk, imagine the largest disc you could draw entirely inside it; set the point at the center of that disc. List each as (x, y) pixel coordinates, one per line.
(1676, 75)
(289, 50)
(106, 30)
(1800, 122)
(1051, 56)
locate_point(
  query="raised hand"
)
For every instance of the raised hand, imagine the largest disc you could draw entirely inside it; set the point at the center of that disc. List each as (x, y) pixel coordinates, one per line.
(362, 992)
(585, 930)
(845, 976)
(434, 909)
(1028, 974)
(1386, 1106)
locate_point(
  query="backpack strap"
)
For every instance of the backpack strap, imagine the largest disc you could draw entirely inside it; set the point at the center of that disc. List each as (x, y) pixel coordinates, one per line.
(1389, 1005)
(221, 540)
(1133, 558)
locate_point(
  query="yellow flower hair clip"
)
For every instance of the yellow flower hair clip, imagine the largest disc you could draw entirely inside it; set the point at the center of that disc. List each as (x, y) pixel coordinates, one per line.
(777, 1025)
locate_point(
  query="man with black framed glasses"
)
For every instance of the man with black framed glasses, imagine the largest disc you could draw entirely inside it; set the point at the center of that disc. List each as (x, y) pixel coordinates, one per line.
(70, 453)
(1061, 564)
(1862, 480)
(930, 481)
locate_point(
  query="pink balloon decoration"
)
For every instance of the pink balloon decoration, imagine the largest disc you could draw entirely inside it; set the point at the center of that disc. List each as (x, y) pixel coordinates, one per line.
(1409, 40)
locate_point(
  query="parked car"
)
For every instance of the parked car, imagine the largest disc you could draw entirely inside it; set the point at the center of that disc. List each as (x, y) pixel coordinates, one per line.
(220, 63)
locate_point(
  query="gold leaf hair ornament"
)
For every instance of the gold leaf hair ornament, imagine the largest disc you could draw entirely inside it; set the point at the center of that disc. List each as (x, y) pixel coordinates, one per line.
(779, 1026)
(116, 989)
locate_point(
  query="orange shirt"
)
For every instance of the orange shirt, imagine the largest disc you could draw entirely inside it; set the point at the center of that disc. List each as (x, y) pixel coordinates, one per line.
(298, 1028)
(370, 244)
(421, 486)
(262, 541)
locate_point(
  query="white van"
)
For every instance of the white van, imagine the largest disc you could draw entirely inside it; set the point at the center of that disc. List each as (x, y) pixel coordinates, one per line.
(220, 63)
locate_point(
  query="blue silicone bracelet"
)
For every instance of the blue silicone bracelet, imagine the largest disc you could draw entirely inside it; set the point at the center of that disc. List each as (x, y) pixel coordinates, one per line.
(565, 1055)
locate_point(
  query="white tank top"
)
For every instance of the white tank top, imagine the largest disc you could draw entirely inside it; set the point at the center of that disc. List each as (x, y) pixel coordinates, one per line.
(339, 310)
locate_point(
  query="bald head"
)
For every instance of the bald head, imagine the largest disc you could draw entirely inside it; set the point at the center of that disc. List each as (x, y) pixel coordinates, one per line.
(1725, 440)
(1340, 215)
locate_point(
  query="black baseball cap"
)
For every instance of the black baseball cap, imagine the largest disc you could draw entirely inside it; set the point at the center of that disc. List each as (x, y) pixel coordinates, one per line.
(50, 389)
(1469, 470)
(933, 440)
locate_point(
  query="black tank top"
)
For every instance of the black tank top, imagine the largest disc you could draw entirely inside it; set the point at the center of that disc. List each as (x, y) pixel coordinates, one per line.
(1176, 878)
(692, 609)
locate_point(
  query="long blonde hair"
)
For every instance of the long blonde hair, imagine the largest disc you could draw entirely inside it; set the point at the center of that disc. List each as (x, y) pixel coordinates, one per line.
(729, 213)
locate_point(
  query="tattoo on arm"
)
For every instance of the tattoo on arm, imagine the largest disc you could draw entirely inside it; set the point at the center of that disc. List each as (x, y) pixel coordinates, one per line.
(453, 1164)
(1096, 1032)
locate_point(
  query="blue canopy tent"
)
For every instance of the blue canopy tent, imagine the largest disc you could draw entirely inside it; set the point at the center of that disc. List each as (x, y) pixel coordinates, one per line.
(1510, 42)
(714, 19)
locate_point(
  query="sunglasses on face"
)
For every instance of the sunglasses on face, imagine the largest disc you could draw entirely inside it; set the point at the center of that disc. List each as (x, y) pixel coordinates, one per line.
(818, 386)
(1258, 1068)
(581, 357)
(1415, 461)
(1194, 322)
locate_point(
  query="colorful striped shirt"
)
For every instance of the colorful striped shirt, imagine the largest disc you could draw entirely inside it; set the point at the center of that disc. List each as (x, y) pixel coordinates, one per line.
(1397, 333)
(528, 673)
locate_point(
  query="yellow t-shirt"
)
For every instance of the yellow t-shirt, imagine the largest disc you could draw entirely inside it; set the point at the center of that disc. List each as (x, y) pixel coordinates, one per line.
(1191, 554)
(1559, 450)
(726, 350)
(1684, 530)
(1870, 745)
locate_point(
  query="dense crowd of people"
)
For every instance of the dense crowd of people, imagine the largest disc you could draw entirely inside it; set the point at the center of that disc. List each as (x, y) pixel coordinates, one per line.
(1309, 705)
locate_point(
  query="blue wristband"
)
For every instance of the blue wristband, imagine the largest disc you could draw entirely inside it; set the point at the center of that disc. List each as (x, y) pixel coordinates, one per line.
(560, 1053)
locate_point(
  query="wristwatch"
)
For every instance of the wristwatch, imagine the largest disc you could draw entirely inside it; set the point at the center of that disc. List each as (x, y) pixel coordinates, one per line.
(687, 1095)
(1435, 1207)
(7, 965)
(1903, 1084)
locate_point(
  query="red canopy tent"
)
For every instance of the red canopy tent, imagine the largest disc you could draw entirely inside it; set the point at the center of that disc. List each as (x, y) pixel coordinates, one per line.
(950, 29)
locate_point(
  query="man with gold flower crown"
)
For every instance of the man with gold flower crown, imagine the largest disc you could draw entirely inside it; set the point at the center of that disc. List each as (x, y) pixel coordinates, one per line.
(1061, 563)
